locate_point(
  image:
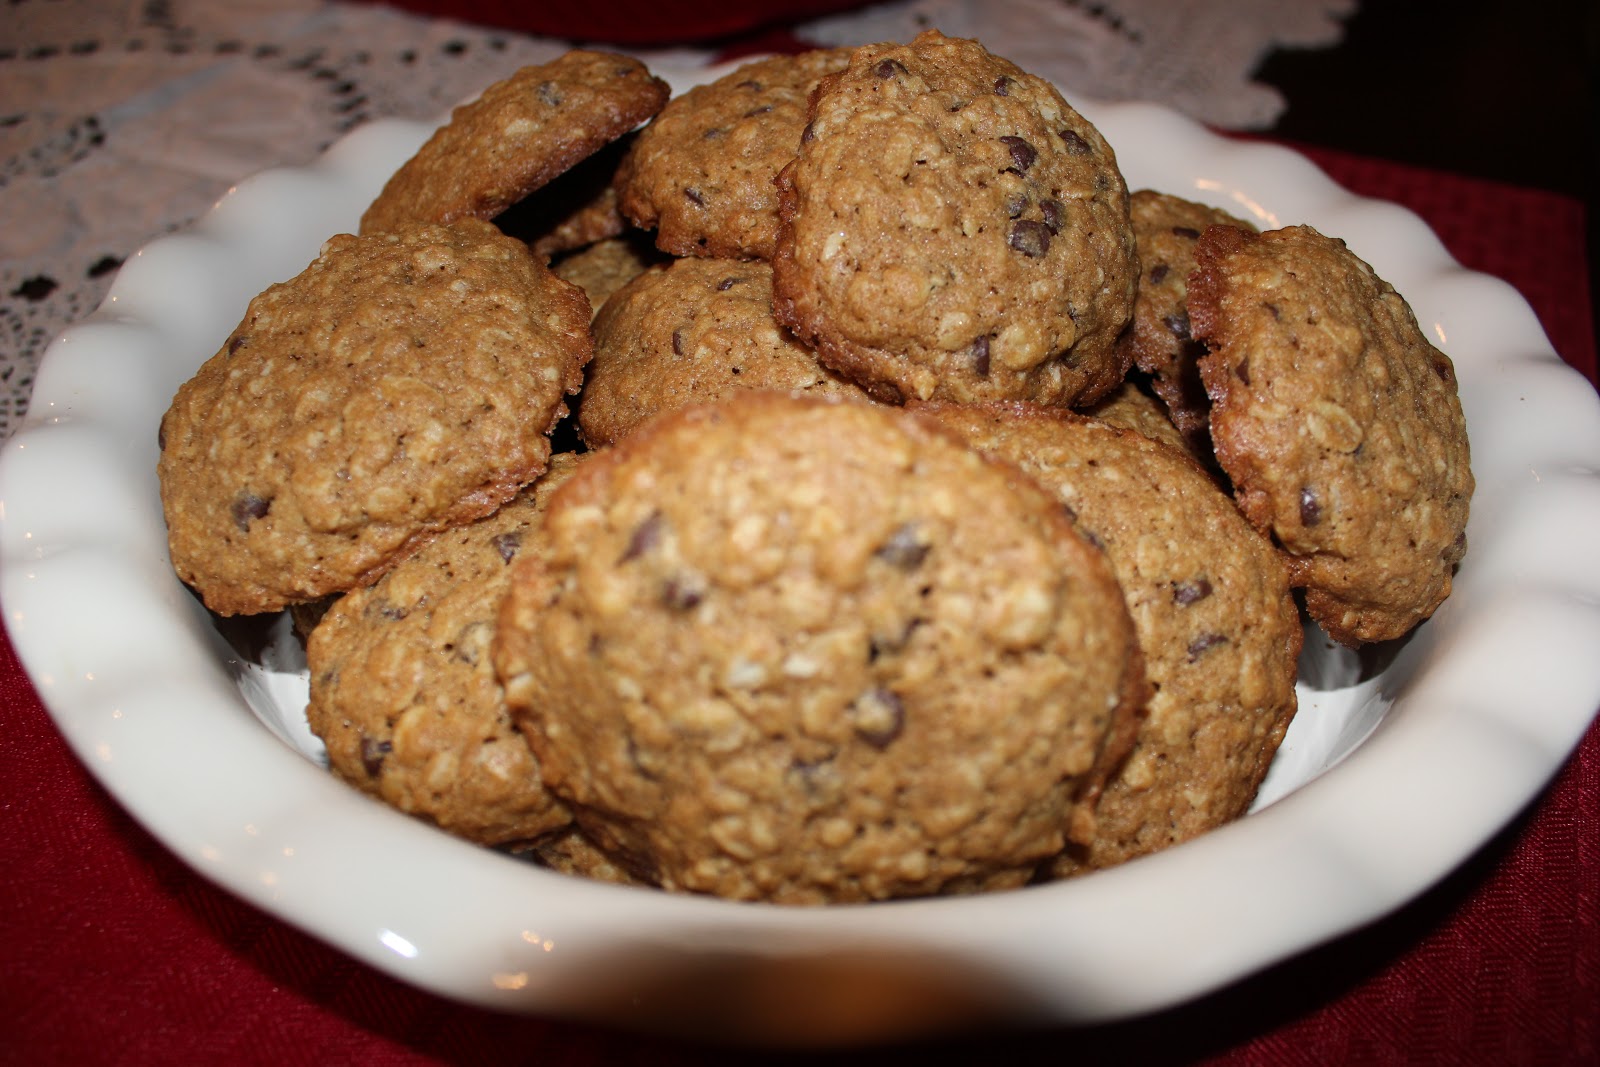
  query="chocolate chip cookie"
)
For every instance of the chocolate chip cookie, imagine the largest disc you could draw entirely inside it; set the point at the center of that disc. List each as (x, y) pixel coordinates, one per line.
(403, 383)
(951, 228)
(518, 135)
(1338, 422)
(1211, 605)
(701, 173)
(1166, 229)
(403, 690)
(803, 650)
(694, 331)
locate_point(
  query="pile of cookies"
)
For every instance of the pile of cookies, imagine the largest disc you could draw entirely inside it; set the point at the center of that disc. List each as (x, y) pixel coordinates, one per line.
(933, 509)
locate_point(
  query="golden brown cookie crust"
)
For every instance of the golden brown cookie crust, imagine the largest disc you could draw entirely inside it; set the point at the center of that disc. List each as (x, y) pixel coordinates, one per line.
(518, 135)
(694, 331)
(953, 229)
(701, 173)
(1211, 605)
(402, 384)
(791, 649)
(1338, 422)
(403, 691)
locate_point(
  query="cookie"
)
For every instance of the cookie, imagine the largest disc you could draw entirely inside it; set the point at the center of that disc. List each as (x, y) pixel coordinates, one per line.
(572, 211)
(1211, 606)
(517, 136)
(1338, 422)
(700, 174)
(802, 650)
(569, 851)
(1131, 408)
(1165, 230)
(403, 690)
(607, 265)
(401, 384)
(952, 229)
(695, 331)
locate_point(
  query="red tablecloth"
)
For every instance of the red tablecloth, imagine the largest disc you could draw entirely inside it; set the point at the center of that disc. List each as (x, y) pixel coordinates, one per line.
(113, 951)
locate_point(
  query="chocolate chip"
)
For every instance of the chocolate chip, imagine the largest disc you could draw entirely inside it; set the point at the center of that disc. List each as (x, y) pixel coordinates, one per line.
(1023, 154)
(507, 544)
(1158, 273)
(728, 283)
(645, 537)
(1075, 143)
(248, 507)
(1310, 507)
(1272, 309)
(372, 754)
(762, 110)
(1030, 238)
(980, 356)
(1178, 324)
(1203, 644)
(889, 68)
(1445, 370)
(1002, 86)
(1016, 204)
(905, 548)
(808, 134)
(683, 592)
(878, 717)
(1186, 593)
(1242, 371)
(550, 93)
(751, 84)
(236, 342)
(1054, 214)
(1188, 232)
(695, 196)
(677, 342)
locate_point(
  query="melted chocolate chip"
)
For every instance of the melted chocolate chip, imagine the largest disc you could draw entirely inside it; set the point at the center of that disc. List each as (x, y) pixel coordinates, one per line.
(550, 93)
(247, 507)
(1310, 507)
(762, 110)
(677, 342)
(1186, 593)
(1075, 142)
(1203, 644)
(682, 593)
(695, 196)
(507, 544)
(728, 283)
(372, 754)
(1158, 273)
(1187, 232)
(1023, 154)
(1054, 214)
(1242, 371)
(905, 548)
(808, 134)
(645, 537)
(1178, 324)
(1272, 309)
(889, 68)
(980, 356)
(236, 342)
(1030, 238)
(1002, 86)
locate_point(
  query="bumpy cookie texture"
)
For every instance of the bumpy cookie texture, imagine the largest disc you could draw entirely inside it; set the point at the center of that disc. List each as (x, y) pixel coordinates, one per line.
(1338, 422)
(569, 851)
(1131, 408)
(518, 135)
(402, 384)
(1166, 229)
(1212, 609)
(403, 689)
(696, 331)
(798, 650)
(701, 173)
(952, 229)
(607, 265)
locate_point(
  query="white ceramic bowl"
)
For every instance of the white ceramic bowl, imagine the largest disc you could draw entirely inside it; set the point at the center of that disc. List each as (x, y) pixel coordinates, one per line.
(1386, 782)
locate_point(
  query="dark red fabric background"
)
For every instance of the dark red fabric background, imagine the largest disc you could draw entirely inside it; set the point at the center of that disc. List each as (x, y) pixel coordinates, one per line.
(112, 951)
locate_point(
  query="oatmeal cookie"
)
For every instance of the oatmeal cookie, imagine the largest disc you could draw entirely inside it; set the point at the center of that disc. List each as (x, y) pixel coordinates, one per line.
(694, 331)
(607, 265)
(402, 384)
(805, 650)
(517, 136)
(1211, 607)
(403, 690)
(953, 229)
(1338, 422)
(701, 173)
(1165, 230)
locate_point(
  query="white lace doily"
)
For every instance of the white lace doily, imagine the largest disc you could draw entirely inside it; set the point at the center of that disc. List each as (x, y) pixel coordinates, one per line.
(123, 121)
